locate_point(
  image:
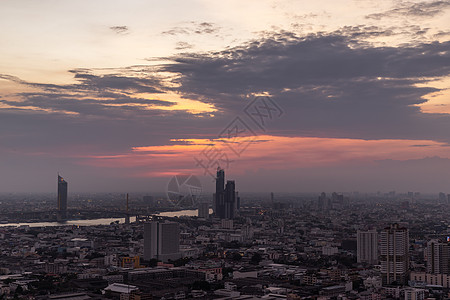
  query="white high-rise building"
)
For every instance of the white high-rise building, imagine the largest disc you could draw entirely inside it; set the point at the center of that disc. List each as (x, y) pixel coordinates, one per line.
(162, 241)
(367, 246)
(437, 256)
(394, 254)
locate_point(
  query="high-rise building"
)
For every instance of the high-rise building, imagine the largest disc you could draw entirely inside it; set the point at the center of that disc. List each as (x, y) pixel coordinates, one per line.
(437, 256)
(225, 204)
(161, 241)
(442, 198)
(62, 199)
(238, 201)
(230, 199)
(367, 247)
(219, 196)
(394, 254)
(203, 210)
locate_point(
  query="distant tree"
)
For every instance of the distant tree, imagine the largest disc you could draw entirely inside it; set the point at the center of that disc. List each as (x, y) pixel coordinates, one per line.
(94, 255)
(201, 285)
(256, 259)
(227, 272)
(149, 263)
(181, 261)
(236, 256)
(18, 291)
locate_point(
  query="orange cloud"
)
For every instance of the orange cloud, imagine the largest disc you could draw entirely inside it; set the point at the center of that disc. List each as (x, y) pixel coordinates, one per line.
(264, 152)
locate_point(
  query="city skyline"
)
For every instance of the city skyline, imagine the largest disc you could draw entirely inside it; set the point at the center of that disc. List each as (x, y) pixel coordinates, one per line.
(123, 100)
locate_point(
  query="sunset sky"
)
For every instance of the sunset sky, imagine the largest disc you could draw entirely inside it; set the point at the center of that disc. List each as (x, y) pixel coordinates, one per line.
(119, 96)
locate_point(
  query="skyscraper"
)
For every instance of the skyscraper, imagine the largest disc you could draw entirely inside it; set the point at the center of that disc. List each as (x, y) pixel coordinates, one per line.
(230, 199)
(438, 257)
(219, 196)
(322, 201)
(367, 246)
(162, 241)
(225, 197)
(394, 254)
(62, 199)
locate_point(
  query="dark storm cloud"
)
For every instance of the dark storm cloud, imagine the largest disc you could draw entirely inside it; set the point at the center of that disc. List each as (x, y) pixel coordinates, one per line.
(330, 84)
(193, 28)
(89, 107)
(275, 64)
(409, 9)
(115, 82)
(93, 95)
(97, 83)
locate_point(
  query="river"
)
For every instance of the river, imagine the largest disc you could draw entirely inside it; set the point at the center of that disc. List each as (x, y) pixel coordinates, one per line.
(104, 221)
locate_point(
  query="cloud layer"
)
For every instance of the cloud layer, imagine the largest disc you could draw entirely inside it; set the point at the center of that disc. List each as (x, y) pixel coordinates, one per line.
(336, 88)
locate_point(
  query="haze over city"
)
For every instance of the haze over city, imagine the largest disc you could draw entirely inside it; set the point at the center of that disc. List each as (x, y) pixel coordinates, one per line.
(121, 96)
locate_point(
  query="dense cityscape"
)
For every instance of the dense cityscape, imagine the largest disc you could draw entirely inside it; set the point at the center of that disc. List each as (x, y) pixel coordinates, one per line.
(224, 150)
(237, 246)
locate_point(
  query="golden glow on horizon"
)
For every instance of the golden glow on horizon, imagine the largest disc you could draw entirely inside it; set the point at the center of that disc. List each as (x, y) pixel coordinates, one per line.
(34, 108)
(438, 102)
(270, 152)
(182, 104)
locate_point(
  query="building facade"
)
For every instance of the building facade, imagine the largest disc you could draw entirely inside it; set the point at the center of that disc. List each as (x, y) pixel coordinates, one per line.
(437, 256)
(367, 247)
(394, 254)
(162, 241)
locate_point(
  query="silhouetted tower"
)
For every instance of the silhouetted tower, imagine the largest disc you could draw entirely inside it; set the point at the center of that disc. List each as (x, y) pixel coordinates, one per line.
(61, 214)
(230, 199)
(127, 216)
(225, 203)
(220, 194)
(321, 202)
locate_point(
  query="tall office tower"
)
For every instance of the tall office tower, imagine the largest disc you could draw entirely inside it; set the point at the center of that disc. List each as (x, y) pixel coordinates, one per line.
(62, 199)
(225, 204)
(219, 196)
(437, 257)
(230, 199)
(203, 210)
(442, 198)
(162, 241)
(367, 246)
(322, 202)
(238, 201)
(394, 254)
